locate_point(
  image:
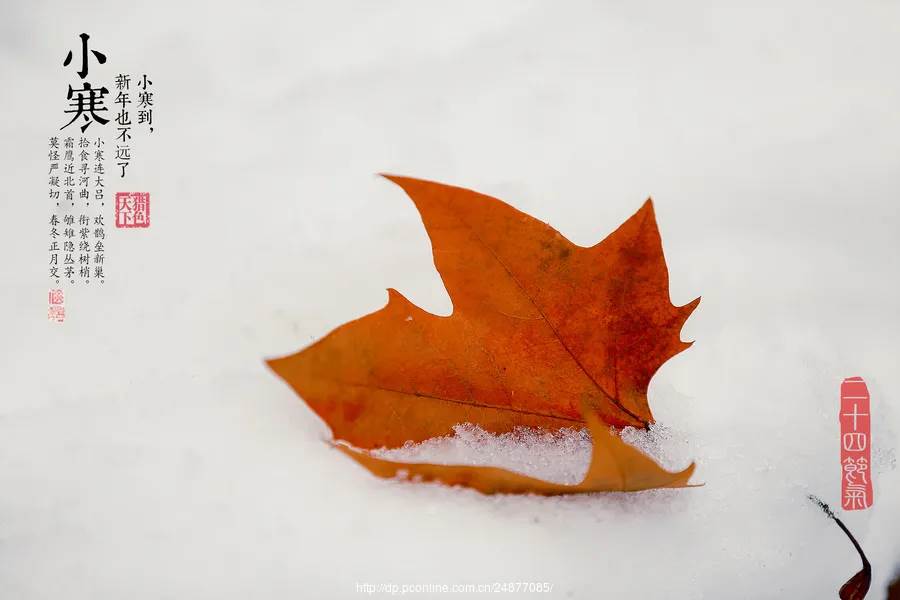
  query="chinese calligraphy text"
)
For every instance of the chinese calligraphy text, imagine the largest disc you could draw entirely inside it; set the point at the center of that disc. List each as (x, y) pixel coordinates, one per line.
(856, 450)
(88, 101)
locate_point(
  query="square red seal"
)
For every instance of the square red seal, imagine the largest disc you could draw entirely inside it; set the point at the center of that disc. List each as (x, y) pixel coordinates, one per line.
(132, 209)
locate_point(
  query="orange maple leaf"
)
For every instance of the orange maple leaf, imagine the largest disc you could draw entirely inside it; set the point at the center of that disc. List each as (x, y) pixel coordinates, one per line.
(540, 327)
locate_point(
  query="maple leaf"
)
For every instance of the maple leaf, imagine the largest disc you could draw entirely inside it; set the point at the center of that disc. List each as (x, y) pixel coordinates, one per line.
(615, 467)
(857, 586)
(540, 326)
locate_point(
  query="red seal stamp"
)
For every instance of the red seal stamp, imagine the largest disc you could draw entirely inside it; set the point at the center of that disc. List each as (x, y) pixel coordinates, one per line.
(56, 311)
(856, 447)
(132, 209)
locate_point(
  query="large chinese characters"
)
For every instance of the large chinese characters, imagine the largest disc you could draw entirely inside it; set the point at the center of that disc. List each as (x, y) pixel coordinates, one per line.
(856, 447)
(88, 101)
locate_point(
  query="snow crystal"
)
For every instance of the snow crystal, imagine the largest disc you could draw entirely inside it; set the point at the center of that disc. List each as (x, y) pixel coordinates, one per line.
(562, 456)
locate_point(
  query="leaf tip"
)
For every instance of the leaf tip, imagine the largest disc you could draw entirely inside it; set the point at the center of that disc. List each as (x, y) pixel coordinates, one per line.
(401, 180)
(647, 208)
(685, 475)
(684, 312)
(389, 176)
(275, 364)
(397, 301)
(681, 479)
(635, 225)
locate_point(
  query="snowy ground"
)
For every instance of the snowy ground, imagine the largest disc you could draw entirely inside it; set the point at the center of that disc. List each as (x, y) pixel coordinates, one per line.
(147, 453)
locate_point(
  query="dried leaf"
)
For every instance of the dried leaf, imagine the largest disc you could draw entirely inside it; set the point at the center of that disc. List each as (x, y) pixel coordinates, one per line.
(539, 326)
(857, 586)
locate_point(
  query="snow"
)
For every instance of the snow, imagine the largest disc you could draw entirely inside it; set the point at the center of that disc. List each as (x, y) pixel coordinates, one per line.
(147, 452)
(561, 456)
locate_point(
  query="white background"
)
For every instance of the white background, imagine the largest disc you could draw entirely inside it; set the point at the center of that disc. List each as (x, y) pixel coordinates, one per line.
(146, 451)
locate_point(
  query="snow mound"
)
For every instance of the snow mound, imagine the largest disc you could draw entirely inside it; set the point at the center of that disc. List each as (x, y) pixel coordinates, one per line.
(561, 456)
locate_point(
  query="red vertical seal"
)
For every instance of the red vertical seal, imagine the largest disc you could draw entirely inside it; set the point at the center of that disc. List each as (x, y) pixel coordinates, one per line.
(56, 310)
(856, 447)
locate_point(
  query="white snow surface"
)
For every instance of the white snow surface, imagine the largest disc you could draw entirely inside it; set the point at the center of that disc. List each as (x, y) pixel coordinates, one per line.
(146, 452)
